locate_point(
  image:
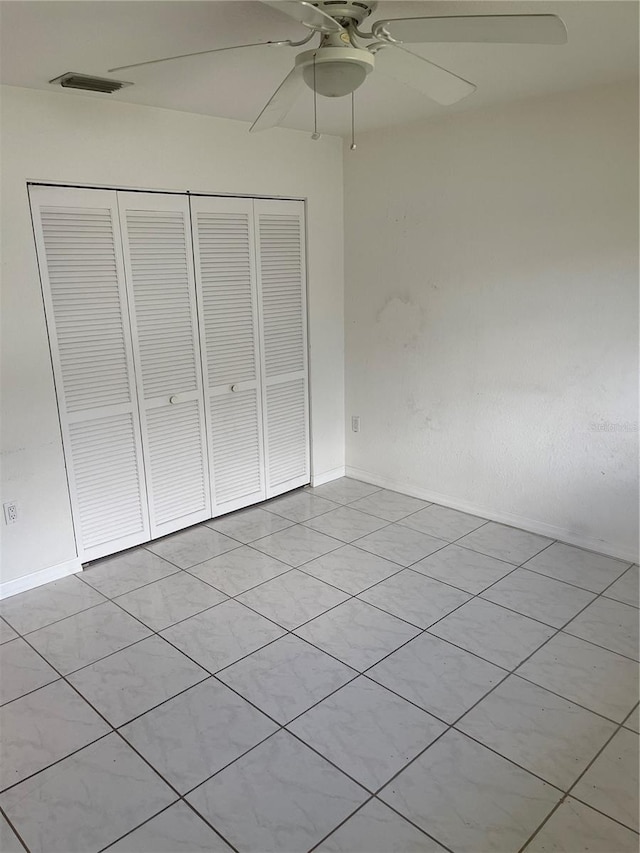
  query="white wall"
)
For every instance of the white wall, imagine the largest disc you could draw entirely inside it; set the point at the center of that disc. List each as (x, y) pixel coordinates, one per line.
(69, 138)
(492, 313)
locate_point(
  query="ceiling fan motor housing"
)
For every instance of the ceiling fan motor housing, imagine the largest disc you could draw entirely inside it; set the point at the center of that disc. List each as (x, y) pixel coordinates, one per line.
(337, 69)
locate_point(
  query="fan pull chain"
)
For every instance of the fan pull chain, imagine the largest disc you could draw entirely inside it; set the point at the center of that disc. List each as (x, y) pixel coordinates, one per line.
(315, 134)
(353, 122)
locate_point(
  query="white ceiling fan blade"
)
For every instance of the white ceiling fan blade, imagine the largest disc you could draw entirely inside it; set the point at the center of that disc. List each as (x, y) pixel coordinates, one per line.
(280, 102)
(199, 53)
(508, 29)
(417, 72)
(307, 14)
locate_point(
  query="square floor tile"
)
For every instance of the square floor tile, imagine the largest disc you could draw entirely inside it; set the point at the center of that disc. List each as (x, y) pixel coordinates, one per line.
(575, 828)
(367, 731)
(375, 828)
(611, 783)
(6, 632)
(128, 683)
(22, 670)
(574, 565)
(239, 570)
(87, 800)
(286, 677)
(197, 733)
(42, 728)
(299, 506)
(415, 598)
(494, 633)
(469, 798)
(48, 603)
(505, 543)
(437, 676)
(356, 633)
(346, 523)
(9, 841)
(463, 568)
(402, 545)
(392, 506)
(610, 624)
(596, 678)
(442, 522)
(296, 545)
(192, 546)
(545, 599)
(292, 598)
(351, 569)
(246, 525)
(625, 589)
(222, 635)
(86, 637)
(538, 730)
(344, 490)
(633, 720)
(170, 600)
(176, 830)
(126, 571)
(279, 797)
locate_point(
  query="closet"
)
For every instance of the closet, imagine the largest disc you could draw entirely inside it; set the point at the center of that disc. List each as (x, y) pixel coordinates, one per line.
(177, 325)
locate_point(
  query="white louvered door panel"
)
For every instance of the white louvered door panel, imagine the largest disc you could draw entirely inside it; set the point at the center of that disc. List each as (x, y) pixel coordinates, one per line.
(81, 267)
(224, 249)
(162, 299)
(281, 269)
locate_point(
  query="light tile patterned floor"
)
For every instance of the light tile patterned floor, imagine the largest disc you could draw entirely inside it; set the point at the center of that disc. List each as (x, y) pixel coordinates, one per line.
(327, 672)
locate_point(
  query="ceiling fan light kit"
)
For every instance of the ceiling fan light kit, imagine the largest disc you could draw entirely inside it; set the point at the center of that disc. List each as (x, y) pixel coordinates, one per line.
(335, 70)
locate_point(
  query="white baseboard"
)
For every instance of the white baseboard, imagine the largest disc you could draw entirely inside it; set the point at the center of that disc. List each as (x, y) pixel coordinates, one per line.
(327, 476)
(53, 573)
(512, 519)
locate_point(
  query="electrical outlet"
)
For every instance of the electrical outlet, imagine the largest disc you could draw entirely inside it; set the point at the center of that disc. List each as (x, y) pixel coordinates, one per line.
(10, 512)
(355, 423)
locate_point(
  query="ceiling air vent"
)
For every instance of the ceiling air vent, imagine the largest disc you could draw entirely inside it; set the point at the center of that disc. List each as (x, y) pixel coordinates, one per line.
(71, 80)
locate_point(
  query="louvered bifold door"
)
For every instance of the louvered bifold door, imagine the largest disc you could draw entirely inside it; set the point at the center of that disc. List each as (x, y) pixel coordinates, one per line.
(80, 258)
(224, 249)
(162, 300)
(281, 269)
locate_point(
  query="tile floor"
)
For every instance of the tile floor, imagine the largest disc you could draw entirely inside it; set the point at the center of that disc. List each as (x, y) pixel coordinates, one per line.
(342, 669)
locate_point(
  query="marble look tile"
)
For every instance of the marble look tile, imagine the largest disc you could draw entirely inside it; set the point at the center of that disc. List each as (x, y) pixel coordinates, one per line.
(611, 783)
(469, 798)
(42, 728)
(222, 635)
(292, 598)
(344, 490)
(367, 731)
(239, 570)
(494, 633)
(22, 670)
(176, 830)
(128, 683)
(87, 800)
(538, 730)
(443, 523)
(346, 523)
(609, 624)
(575, 828)
(170, 600)
(415, 598)
(86, 637)
(633, 720)
(299, 506)
(545, 599)
(600, 680)
(286, 677)
(279, 797)
(625, 589)
(505, 543)
(246, 525)
(575, 565)
(463, 568)
(35, 608)
(357, 633)
(126, 571)
(296, 545)
(392, 506)
(194, 545)
(351, 569)
(9, 841)
(6, 632)
(375, 828)
(437, 676)
(400, 544)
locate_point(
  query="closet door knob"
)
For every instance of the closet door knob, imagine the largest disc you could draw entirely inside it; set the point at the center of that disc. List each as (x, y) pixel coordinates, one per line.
(234, 387)
(173, 400)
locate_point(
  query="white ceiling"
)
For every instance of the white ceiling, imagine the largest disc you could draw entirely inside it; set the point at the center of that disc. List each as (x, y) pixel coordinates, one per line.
(41, 40)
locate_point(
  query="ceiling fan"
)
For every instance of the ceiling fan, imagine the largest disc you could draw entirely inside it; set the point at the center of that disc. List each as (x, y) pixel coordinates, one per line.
(345, 55)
